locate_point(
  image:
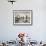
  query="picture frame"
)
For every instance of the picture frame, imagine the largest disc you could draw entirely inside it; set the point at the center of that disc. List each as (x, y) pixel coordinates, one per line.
(22, 17)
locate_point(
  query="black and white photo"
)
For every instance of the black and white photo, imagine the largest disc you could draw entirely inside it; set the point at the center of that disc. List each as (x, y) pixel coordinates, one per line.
(22, 16)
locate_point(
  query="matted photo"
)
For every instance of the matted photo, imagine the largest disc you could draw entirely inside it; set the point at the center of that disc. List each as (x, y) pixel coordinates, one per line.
(22, 17)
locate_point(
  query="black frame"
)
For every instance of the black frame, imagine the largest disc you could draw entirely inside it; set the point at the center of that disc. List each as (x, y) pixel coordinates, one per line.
(24, 24)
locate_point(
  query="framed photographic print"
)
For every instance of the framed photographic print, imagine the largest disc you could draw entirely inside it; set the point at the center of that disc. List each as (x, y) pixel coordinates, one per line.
(22, 17)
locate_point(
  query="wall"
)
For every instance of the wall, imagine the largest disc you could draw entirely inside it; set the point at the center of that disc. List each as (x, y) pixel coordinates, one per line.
(38, 29)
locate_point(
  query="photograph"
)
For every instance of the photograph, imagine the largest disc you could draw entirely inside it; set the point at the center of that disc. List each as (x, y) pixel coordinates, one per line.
(22, 16)
(22, 22)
